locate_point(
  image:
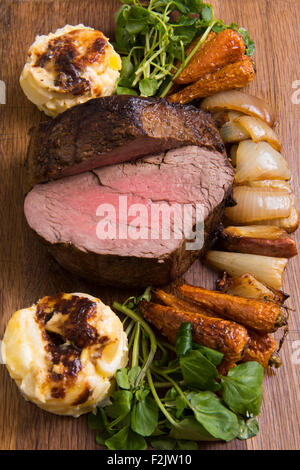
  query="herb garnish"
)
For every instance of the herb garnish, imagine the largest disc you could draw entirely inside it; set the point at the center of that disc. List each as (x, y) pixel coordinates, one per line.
(171, 403)
(152, 37)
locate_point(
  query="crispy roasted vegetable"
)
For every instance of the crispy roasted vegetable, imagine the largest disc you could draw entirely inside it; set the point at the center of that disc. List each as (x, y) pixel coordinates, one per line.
(259, 240)
(179, 303)
(218, 50)
(266, 269)
(290, 224)
(236, 100)
(262, 349)
(259, 315)
(232, 132)
(231, 76)
(248, 286)
(227, 337)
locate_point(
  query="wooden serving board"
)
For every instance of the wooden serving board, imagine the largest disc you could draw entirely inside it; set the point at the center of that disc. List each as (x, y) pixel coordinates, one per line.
(28, 272)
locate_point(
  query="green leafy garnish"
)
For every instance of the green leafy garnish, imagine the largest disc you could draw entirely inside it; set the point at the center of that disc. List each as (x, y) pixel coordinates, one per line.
(170, 402)
(153, 36)
(242, 388)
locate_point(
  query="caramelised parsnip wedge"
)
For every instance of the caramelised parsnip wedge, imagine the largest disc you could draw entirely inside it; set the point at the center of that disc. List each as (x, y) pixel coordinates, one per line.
(259, 161)
(236, 100)
(248, 286)
(263, 240)
(231, 76)
(262, 349)
(266, 269)
(227, 337)
(218, 50)
(258, 130)
(260, 315)
(257, 204)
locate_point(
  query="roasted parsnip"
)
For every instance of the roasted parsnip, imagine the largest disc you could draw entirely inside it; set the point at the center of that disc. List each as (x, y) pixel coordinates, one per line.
(262, 349)
(248, 286)
(231, 76)
(266, 269)
(259, 240)
(259, 315)
(218, 50)
(225, 336)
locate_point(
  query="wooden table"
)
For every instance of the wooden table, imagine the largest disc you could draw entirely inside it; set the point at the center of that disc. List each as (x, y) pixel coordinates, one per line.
(28, 272)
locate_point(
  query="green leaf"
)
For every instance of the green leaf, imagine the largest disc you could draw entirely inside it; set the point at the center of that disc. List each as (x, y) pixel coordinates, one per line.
(144, 417)
(126, 91)
(198, 372)
(242, 388)
(163, 443)
(190, 429)
(95, 421)
(183, 342)
(148, 87)
(218, 420)
(187, 445)
(133, 375)
(126, 439)
(122, 378)
(248, 428)
(207, 13)
(213, 356)
(121, 405)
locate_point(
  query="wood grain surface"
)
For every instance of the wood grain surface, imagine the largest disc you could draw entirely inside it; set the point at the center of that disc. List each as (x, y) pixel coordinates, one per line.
(28, 272)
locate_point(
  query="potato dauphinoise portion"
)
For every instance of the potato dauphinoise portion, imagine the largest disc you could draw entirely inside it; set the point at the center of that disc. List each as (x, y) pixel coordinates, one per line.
(64, 351)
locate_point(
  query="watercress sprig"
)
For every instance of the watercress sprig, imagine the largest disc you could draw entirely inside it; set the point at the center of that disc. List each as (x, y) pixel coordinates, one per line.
(152, 38)
(171, 402)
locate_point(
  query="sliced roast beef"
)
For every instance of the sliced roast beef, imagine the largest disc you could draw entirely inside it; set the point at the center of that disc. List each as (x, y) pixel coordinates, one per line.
(115, 129)
(76, 216)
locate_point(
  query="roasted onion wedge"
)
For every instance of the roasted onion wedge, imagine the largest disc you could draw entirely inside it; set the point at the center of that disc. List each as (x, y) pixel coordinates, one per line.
(276, 185)
(231, 131)
(290, 224)
(258, 130)
(266, 269)
(239, 101)
(248, 286)
(254, 205)
(259, 240)
(259, 162)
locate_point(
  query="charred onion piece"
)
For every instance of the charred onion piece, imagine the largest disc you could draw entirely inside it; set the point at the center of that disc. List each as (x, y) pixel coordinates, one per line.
(231, 132)
(259, 315)
(254, 205)
(224, 336)
(248, 286)
(290, 224)
(235, 75)
(259, 162)
(238, 101)
(259, 240)
(258, 130)
(266, 269)
(217, 51)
